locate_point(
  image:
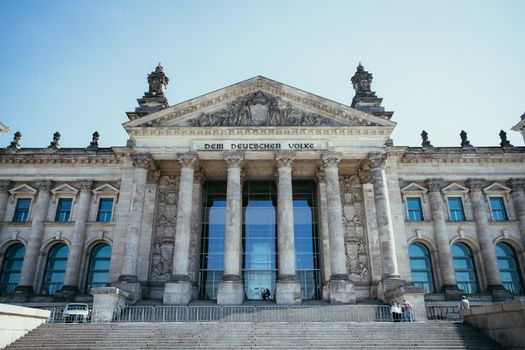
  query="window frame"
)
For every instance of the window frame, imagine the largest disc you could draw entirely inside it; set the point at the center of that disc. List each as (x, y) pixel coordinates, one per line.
(43, 289)
(474, 268)
(99, 204)
(104, 191)
(15, 211)
(413, 190)
(21, 191)
(429, 271)
(88, 284)
(70, 212)
(448, 198)
(517, 270)
(420, 201)
(504, 209)
(6, 258)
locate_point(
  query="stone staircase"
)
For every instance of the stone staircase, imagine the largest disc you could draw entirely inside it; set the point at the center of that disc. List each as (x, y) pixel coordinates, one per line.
(261, 335)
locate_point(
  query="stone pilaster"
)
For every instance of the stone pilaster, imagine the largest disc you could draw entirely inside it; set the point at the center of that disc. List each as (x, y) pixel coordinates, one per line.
(488, 250)
(324, 239)
(288, 289)
(341, 289)
(231, 290)
(377, 164)
(518, 197)
(439, 215)
(179, 290)
(128, 279)
(196, 231)
(71, 283)
(27, 275)
(4, 195)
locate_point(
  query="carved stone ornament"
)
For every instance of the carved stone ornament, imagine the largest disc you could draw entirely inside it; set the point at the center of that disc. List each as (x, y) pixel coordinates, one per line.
(517, 184)
(365, 175)
(475, 184)
(4, 185)
(56, 141)
(188, 160)
(320, 176)
(16, 141)
(157, 81)
(94, 140)
(377, 159)
(86, 185)
(44, 185)
(284, 159)
(434, 185)
(260, 109)
(504, 141)
(142, 160)
(234, 159)
(331, 159)
(153, 176)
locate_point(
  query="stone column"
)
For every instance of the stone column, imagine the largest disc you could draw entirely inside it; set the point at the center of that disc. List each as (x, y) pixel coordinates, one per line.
(178, 290)
(27, 275)
(128, 279)
(4, 195)
(324, 240)
(488, 249)
(518, 197)
(71, 285)
(288, 289)
(231, 290)
(439, 215)
(196, 231)
(341, 289)
(377, 164)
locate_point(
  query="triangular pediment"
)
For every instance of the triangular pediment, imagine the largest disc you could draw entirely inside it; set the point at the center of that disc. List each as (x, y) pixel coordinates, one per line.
(496, 188)
(455, 188)
(23, 189)
(105, 189)
(413, 188)
(65, 189)
(258, 102)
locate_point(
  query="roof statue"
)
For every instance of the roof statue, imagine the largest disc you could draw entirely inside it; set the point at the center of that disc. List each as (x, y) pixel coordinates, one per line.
(157, 81)
(365, 99)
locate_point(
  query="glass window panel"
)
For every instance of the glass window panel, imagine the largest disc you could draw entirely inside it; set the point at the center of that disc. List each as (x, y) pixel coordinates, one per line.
(464, 268)
(105, 208)
(420, 266)
(12, 266)
(508, 268)
(455, 206)
(99, 263)
(22, 210)
(55, 268)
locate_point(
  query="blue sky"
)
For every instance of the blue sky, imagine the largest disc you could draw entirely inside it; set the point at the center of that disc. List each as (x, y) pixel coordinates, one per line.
(442, 66)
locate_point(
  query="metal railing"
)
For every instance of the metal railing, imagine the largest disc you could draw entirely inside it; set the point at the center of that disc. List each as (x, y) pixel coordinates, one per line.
(443, 312)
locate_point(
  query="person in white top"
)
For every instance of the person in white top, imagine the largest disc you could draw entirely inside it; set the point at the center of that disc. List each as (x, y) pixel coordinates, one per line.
(464, 304)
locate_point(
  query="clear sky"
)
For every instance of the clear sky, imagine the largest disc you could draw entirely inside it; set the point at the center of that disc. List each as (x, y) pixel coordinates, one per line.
(442, 66)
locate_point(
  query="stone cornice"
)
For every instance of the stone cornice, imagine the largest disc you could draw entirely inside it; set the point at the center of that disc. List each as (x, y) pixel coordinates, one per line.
(267, 131)
(457, 155)
(63, 156)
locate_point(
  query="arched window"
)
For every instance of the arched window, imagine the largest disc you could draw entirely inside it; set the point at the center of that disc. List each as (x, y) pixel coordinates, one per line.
(464, 267)
(11, 268)
(420, 266)
(98, 270)
(508, 268)
(55, 269)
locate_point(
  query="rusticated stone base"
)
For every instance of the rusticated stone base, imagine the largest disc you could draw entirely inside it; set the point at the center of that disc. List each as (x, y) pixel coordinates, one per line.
(177, 292)
(342, 292)
(288, 292)
(230, 293)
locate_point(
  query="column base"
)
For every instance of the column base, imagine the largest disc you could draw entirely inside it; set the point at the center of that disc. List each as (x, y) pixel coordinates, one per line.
(231, 291)
(452, 292)
(288, 291)
(177, 292)
(499, 293)
(67, 293)
(20, 295)
(341, 290)
(131, 285)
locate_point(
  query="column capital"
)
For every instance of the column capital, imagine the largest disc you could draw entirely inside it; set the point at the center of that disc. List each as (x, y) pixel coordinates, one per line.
(86, 185)
(365, 175)
(4, 185)
(188, 160)
(377, 159)
(284, 159)
(434, 184)
(142, 160)
(198, 176)
(517, 184)
(234, 159)
(153, 176)
(331, 159)
(44, 185)
(320, 176)
(475, 184)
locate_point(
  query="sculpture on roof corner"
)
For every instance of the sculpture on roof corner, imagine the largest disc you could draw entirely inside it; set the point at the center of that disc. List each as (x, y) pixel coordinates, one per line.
(365, 99)
(157, 81)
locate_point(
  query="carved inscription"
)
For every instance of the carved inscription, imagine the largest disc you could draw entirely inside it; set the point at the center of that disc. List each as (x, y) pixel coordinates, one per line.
(166, 221)
(356, 250)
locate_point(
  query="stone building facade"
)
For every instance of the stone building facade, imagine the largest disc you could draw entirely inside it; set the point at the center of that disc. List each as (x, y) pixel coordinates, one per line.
(261, 186)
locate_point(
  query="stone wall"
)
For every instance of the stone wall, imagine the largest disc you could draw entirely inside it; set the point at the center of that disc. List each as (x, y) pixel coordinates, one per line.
(16, 321)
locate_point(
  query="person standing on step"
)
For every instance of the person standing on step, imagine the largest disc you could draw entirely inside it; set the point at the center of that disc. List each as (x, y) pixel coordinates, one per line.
(396, 312)
(464, 304)
(408, 314)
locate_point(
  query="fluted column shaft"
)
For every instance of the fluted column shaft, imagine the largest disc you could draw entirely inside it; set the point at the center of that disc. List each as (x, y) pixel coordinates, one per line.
(377, 164)
(439, 215)
(181, 252)
(518, 197)
(131, 252)
(488, 250)
(335, 218)
(233, 237)
(285, 220)
(27, 275)
(4, 195)
(79, 236)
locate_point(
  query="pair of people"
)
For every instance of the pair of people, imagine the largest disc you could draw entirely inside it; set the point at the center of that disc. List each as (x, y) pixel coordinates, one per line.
(402, 313)
(265, 294)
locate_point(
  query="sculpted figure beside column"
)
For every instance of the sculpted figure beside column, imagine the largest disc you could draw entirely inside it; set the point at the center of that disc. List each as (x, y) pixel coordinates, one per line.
(341, 289)
(231, 290)
(4, 195)
(179, 289)
(518, 197)
(288, 289)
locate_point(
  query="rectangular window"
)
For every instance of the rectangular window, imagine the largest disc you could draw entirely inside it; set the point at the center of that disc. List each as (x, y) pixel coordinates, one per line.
(498, 209)
(63, 209)
(456, 209)
(105, 208)
(22, 210)
(415, 213)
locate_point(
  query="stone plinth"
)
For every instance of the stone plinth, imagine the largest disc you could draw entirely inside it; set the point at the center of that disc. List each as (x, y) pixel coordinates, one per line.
(107, 302)
(131, 285)
(177, 292)
(231, 292)
(341, 291)
(288, 291)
